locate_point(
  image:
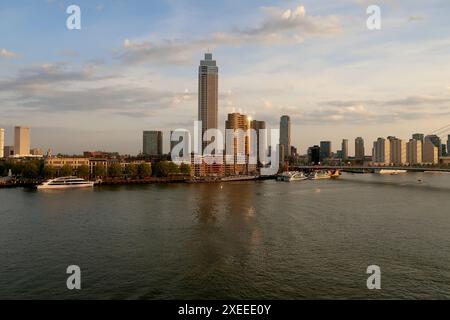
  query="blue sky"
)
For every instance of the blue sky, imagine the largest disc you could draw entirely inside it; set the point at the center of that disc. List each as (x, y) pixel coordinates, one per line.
(133, 65)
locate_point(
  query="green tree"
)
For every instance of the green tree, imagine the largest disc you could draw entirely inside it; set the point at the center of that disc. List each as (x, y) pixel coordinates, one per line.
(65, 171)
(115, 170)
(30, 170)
(185, 168)
(131, 170)
(173, 168)
(165, 168)
(83, 171)
(144, 170)
(99, 170)
(49, 171)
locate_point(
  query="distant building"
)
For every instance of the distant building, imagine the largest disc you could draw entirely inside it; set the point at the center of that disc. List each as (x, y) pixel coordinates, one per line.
(208, 94)
(344, 149)
(36, 152)
(314, 155)
(21, 141)
(8, 151)
(240, 145)
(359, 149)
(294, 152)
(100, 154)
(397, 151)
(444, 150)
(414, 152)
(258, 125)
(325, 150)
(418, 136)
(436, 142)
(381, 151)
(285, 134)
(448, 145)
(152, 143)
(430, 152)
(2, 142)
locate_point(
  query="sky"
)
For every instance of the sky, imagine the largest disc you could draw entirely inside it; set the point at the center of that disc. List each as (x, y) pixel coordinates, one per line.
(133, 67)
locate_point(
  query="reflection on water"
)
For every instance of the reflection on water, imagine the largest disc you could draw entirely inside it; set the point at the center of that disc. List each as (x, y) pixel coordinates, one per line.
(252, 240)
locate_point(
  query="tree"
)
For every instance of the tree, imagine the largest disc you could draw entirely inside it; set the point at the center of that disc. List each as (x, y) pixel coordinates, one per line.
(165, 168)
(185, 168)
(83, 171)
(131, 170)
(30, 170)
(65, 171)
(99, 170)
(115, 170)
(49, 171)
(144, 170)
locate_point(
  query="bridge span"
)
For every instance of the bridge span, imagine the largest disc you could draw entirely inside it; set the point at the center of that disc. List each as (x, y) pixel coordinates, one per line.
(369, 169)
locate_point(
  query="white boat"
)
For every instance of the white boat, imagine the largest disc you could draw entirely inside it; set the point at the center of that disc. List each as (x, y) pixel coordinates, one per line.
(66, 183)
(290, 176)
(391, 171)
(318, 175)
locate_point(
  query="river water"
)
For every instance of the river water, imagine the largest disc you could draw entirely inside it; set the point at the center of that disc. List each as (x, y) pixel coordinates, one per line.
(237, 240)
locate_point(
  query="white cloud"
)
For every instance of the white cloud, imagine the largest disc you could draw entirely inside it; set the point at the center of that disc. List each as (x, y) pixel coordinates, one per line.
(277, 27)
(6, 53)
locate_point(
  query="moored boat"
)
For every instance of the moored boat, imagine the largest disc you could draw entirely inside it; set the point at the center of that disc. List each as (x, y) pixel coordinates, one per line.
(66, 183)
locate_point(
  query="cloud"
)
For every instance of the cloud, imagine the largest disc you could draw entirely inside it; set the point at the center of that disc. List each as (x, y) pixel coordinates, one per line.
(7, 54)
(278, 27)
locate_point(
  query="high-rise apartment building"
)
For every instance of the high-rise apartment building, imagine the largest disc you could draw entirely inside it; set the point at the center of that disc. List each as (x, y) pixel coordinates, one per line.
(285, 134)
(448, 145)
(314, 155)
(258, 125)
(381, 152)
(208, 94)
(2, 142)
(325, 150)
(344, 149)
(21, 141)
(359, 149)
(152, 143)
(397, 151)
(430, 151)
(436, 142)
(414, 152)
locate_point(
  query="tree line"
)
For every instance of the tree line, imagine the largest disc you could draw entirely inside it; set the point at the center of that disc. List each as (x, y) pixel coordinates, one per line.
(35, 169)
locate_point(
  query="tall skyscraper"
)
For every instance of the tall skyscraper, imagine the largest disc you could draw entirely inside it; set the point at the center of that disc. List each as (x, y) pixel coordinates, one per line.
(2, 142)
(430, 151)
(359, 149)
(381, 152)
(397, 151)
(258, 125)
(208, 93)
(152, 143)
(285, 134)
(344, 149)
(21, 141)
(414, 151)
(325, 150)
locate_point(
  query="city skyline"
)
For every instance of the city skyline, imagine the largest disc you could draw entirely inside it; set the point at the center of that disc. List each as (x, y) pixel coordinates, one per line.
(284, 58)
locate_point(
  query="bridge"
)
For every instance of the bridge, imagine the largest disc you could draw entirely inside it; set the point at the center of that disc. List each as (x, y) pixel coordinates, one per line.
(370, 168)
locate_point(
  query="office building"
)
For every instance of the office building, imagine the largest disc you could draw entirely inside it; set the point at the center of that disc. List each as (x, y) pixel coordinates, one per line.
(36, 152)
(397, 151)
(2, 142)
(314, 155)
(8, 151)
(325, 150)
(152, 143)
(285, 134)
(208, 94)
(21, 141)
(344, 149)
(359, 149)
(257, 126)
(414, 151)
(381, 152)
(430, 151)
